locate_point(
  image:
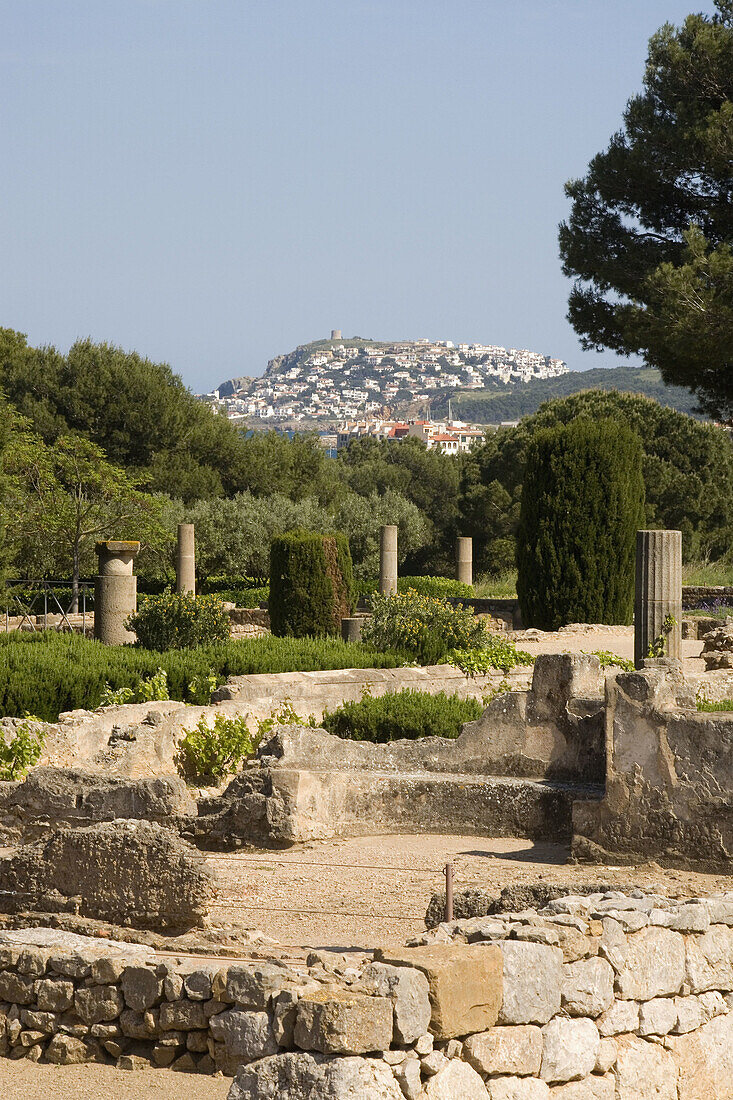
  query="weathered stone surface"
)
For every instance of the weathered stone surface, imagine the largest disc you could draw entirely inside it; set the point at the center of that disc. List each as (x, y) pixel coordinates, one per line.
(16, 989)
(197, 984)
(533, 979)
(337, 1021)
(140, 1025)
(607, 1055)
(127, 872)
(644, 1070)
(296, 1076)
(591, 1088)
(456, 1081)
(505, 1050)
(54, 996)
(587, 988)
(704, 1059)
(141, 988)
(250, 986)
(63, 1050)
(98, 1003)
(408, 990)
(465, 984)
(657, 1017)
(517, 1088)
(622, 1016)
(407, 1075)
(247, 1035)
(654, 965)
(710, 960)
(182, 1015)
(570, 1049)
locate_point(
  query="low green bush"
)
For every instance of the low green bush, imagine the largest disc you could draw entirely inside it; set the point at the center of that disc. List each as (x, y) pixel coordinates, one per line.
(150, 689)
(425, 627)
(46, 673)
(495, 652)
(206, 754)
(425, 586)
(21, 752)
(402, 714)
(612, 660)
(178, 620)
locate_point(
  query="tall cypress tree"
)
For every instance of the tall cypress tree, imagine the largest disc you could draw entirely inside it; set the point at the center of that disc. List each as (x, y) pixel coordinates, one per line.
(582, 503)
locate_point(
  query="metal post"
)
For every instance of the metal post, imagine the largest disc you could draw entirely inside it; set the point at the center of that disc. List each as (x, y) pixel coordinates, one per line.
(45, 607)
(448, 872)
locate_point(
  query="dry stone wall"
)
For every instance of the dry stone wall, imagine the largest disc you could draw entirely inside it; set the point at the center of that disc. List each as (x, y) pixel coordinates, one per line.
(602, 997)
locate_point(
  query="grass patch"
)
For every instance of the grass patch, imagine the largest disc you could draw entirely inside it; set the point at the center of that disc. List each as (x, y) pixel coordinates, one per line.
(402, 714)
(708, 707)
(707, 573)
(499, 586)
(46, 673)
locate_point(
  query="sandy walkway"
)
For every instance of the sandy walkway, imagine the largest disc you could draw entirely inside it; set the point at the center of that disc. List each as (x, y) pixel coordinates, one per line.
(30, 1081)
(370, 890)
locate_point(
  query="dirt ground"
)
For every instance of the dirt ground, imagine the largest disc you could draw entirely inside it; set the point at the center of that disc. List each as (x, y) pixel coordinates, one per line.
(358, 893)
(31, 1081)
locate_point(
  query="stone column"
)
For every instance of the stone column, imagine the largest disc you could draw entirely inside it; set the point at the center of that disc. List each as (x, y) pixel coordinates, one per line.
(388, 560)
(115, 591)
(658, 594)
(464, 560)
(186, 560)
(351, 628)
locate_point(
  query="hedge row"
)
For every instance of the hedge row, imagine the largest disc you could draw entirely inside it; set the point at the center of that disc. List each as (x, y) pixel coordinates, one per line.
(47, 673)
(402, 714)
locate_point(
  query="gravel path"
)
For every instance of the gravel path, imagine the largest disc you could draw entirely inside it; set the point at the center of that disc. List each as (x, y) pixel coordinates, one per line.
(361, 892)
(30, 1081)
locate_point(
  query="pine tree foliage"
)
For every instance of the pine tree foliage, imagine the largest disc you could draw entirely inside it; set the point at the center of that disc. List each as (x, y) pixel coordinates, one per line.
(582, 503)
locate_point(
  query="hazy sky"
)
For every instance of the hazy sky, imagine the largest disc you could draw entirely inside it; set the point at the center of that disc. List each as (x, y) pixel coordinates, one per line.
(212, 182)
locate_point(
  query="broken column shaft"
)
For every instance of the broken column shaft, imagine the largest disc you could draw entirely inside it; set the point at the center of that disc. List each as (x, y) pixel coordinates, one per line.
(186, 559)
(115, 591)
(464, 560)
(388, 560)
(658, 600)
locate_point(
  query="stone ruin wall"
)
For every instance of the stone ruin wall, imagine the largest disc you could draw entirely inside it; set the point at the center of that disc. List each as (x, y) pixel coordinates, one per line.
(604, 997)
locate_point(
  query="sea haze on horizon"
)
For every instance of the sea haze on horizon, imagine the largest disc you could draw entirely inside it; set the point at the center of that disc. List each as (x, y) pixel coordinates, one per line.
(214, 184)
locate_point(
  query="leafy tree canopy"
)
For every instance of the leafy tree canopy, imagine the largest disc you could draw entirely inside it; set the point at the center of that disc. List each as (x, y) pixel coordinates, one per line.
(650, 233)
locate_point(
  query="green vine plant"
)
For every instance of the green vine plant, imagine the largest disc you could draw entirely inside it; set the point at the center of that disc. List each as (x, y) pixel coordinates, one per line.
(658, 648)
(286, 716)
(22, 752)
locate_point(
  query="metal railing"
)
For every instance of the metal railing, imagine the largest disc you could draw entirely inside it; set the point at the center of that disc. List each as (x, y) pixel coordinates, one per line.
(34, 600)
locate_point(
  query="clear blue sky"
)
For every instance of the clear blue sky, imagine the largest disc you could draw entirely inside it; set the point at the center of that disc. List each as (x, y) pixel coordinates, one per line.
(212, 182)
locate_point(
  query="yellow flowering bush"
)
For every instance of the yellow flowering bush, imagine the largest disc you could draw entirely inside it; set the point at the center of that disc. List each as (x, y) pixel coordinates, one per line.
(425, 627)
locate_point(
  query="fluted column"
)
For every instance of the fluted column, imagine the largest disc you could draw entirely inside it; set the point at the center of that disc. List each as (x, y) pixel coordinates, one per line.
(388, 560)
(658, 602)
(464, 560)
(186, 559)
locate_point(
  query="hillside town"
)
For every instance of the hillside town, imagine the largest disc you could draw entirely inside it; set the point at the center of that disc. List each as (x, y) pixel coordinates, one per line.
(338, 380)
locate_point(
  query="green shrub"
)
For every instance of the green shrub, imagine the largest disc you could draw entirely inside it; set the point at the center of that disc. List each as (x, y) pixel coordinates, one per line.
(424, 627)
(178, 620)
(424, 586)
(402, 714)
(201, 687)
(21, 752)
(208, 753)
(286, 716)
(582, 503)
(612, 660)
(149, 689)
(46, 673)
(496, 652)
(311, 584)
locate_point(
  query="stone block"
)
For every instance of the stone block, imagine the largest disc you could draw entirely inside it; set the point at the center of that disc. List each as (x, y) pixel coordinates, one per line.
(464, 982)
(591, 1088)
(182, 1015)
(654, 965)
(407, 1076)
(98, 1003)
(54, 996)
(292, 1076)
(63, 1050)
(607, 1055)
(513, 1051)
(408, 991)
(658, 1016)
(704, 1060)
(246, 1035)
(141, 988)
(644, 1069)
(140, 1025)
(587, 988)
(517, 1088)
(622, 1016)
(456, 1081)
(338, 1021)
(709, 960)
(533, 978)
(197, 985)
(249, 986)
(16, 989)
(570, 1049)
